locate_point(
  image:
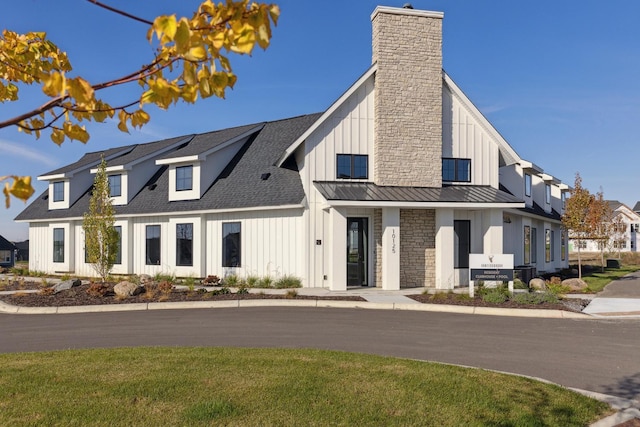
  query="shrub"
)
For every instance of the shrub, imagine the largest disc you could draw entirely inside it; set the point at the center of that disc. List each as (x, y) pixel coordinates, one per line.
(211, 280)
(557, 288)
(97, 289)
(231, 280)
(222, 291)
(190, 283)
(65, 277)
(439, 296)
(288, 282)
(291, 293)
(519, 284)
(242, 291)
(495, 296)
(462, 297)
(165, 287)
(164, 277)
(265, 282)
(535, 298)
(252, 281)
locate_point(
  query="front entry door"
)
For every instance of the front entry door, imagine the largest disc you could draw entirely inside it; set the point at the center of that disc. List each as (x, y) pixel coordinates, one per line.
(357, 251)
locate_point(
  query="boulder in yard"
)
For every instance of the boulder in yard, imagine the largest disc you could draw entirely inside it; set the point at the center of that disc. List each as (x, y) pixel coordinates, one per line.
(127, 289)
(575, 284)
(66, 285)
(538, 284)
(145, 278)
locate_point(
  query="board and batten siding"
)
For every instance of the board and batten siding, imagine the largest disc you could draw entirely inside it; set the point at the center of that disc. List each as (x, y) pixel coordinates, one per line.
(348, 130)
(463, 136)
(272, 243)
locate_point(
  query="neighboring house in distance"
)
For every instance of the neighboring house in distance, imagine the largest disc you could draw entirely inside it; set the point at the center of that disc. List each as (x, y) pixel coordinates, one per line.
(625, 239)
(7, 253)
(393, 186)
(23, 250)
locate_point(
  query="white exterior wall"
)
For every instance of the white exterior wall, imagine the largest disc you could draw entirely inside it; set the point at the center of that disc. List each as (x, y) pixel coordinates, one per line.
(41, 247)
(464, 137)
(271, 243)
(512, 178)
(349, 130)
(138, 176)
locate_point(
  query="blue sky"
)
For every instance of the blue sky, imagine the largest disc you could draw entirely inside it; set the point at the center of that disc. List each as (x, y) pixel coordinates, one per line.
(558, 79)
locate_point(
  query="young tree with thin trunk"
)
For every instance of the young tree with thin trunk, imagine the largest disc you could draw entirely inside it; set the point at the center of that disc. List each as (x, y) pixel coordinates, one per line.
(100, 236)
(575, 216)
(599, 219)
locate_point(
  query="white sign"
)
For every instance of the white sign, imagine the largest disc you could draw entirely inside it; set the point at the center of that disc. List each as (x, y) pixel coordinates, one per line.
(490, 267)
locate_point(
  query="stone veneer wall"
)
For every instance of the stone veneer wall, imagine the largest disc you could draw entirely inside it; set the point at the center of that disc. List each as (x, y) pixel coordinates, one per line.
(417, 248)
(377, 238)
(407, 47)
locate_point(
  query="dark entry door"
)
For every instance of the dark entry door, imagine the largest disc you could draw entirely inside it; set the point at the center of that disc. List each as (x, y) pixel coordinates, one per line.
(357, 251)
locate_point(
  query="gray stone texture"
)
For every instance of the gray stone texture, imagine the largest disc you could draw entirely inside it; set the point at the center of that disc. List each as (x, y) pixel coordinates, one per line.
(417, 248)
(127, 289)
(66, 285)
(407, 48)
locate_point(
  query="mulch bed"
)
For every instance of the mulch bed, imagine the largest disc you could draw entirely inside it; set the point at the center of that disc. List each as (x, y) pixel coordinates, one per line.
(573, 304)
(79, 296)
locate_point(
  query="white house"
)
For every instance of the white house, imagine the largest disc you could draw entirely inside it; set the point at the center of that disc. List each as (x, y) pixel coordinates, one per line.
(623, 239)
(394, 185)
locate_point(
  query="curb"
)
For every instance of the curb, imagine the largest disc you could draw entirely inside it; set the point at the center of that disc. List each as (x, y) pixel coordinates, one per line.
(317, 303)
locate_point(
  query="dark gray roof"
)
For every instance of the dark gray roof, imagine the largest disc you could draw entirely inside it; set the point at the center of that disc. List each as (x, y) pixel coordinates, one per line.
(370, 192)
(206, 141)
(141, 150)
(536, 209)
(239, 185)
(89, 159)
(636, 207)
(6, 245)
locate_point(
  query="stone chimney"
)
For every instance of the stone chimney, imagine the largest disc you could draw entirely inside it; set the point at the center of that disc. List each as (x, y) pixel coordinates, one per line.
(407, 47)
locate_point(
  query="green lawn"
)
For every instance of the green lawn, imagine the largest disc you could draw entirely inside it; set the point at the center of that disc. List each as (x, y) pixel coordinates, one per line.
(229, 386)
(598, 280)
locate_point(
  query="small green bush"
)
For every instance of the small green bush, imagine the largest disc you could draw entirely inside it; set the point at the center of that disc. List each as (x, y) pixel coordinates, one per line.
(242, 291)
(252, 281)
(519, 284)
(265, 282)
(222, 291)
(439, 296)
(535, 298)
(495, 296)
(462, 297)
(557, 288)
(190, 282)
(160, 277)
(231, 280)
(291, 293)
(288, 282)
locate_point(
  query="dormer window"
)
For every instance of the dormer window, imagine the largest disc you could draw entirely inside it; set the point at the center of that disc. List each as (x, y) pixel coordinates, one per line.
(548, 194)
(456, 170)
(527, 184)
(184, 178)
(58, 191)
(115, 185)
(352, 166)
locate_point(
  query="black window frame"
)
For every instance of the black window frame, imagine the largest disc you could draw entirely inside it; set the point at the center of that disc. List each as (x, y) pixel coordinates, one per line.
(354, 166)
(184, 244)
(181, 181)
(534, 245)
(118, 258)
(58, 245)
(58, 191)
(153, 245)
(527, 184)
(232, 244)
(457, 163)
(527, 245)
(111, 186)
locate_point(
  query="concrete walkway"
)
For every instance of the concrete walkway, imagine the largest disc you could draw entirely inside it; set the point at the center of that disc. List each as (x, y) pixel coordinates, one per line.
(619, 299)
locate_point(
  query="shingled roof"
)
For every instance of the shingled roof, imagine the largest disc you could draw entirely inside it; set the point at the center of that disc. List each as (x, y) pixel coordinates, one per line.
(240, 185)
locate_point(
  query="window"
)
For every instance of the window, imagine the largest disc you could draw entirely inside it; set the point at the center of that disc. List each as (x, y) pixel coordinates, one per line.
(548, 194)
(564, 200)
(352, 166)
(115, 185)
(58, 245)
(527, 244)
(58, 191)
(153, 245)
(184, 178)
(5, 256)
(118, 259)
(461, 243)
(231, 244)
(527, 184)
(563, 245)
(456, 170)
(184, 244)
(548, 245)
(534, 245)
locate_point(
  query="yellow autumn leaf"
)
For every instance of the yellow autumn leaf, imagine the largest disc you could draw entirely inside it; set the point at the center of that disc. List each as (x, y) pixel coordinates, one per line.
(21, 187)
(57, 136)
(244, 41)
(196, 53)
(80, 90)
(7, 198)
(165, 26)
(54, 84)
(122, 125)
(274, 12)
(183, 36)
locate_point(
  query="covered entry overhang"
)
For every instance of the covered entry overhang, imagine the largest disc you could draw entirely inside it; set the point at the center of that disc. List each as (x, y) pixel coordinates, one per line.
(391, 200)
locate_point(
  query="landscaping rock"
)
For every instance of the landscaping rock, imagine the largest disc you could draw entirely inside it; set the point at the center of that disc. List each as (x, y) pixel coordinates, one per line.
(145, 278)
(127, 289)
(575, 284)
(66, 285)
(538, 284)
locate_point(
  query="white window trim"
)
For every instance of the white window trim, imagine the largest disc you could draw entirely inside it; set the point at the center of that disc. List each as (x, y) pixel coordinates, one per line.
(192, 194)
(64, 203)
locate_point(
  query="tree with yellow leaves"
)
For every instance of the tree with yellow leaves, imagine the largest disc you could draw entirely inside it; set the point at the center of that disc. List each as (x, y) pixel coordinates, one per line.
(190, 62)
